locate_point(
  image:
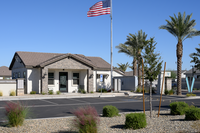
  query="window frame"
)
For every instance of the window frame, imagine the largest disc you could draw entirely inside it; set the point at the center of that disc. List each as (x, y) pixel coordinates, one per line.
(51, 78)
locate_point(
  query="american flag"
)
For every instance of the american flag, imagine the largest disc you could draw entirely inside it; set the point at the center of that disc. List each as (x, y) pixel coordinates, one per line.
(100, 8)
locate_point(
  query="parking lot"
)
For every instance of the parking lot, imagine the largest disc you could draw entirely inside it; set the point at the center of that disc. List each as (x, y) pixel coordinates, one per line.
(47, 108)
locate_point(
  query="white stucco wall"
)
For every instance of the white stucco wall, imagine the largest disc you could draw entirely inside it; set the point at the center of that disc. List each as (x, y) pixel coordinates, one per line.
(7, 87)
(116, 74)
(34, 80)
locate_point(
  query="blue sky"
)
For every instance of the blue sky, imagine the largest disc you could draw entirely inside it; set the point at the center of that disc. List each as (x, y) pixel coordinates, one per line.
(62, 26)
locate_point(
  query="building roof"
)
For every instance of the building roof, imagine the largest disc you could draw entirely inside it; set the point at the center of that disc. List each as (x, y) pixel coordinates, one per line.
(37, 59)
(4, 71)
(190, 71)
(130, 73)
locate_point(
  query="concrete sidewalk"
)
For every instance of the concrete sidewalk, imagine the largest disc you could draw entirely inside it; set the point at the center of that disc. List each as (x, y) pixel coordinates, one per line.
(66, 95)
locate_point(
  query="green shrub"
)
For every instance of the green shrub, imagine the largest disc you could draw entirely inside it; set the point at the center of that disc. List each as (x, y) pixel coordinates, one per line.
(1, 93)
(135, 120)
(50, 92)
(171, 92)
(178, 108)
(58, 92)
(12, 93)
(192, 113)
(166, 92)
(82, 91)
(103, 90)
(43, 93)
(33, 92)
(195, 89)
(110, 111)
(86, 120)
(16, 113)
(91, 92)
(190, 94)
(138, 90)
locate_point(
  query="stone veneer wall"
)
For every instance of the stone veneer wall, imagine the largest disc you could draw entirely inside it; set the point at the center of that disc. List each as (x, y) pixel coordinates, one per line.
(91, 80)
(64, 64)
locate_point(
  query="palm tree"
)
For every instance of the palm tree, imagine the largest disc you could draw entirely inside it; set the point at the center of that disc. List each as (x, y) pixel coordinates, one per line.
(137, 42)
(123, 67)
(128, 50)
(182, 28)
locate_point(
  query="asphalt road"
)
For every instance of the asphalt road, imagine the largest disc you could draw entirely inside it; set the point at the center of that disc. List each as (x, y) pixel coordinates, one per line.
(48, 108)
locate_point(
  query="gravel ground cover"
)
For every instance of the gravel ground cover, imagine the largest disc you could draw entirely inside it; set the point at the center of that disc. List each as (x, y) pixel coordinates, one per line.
(166, 123)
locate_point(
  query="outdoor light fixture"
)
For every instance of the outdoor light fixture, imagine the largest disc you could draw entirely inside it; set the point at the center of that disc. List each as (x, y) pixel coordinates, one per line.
(63, 69)
(91, 76)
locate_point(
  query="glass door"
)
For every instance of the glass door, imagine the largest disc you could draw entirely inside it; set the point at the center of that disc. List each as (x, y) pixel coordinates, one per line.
(63, 81)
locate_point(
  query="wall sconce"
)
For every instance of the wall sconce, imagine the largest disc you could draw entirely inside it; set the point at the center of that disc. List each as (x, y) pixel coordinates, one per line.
(45, 73)
(63, 69)
(91, 76)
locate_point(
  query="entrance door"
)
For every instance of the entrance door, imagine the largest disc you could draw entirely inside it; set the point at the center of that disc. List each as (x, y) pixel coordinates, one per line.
(63, 81)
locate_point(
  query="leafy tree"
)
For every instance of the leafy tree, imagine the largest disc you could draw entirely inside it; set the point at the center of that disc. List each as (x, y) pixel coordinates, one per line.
(152, 66)
(123, 67)
(195, 58)
(182, 28)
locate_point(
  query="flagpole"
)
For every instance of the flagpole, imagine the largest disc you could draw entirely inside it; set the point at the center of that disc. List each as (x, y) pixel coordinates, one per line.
(111, 44)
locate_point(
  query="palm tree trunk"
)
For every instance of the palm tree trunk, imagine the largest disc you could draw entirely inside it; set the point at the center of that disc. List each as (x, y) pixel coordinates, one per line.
(179, 53)
(139, 72)
(134, 67)
(150, 99)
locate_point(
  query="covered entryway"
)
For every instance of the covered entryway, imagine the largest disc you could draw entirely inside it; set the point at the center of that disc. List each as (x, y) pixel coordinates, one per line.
(63, 81)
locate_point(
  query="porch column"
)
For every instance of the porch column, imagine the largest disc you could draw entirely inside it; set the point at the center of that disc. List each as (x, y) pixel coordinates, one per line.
(44, 80)
(89, 80)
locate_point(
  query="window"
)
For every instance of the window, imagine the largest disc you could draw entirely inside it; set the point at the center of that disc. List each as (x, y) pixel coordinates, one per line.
(76, 78)
(51, 78)
(18, 74)
(13, 75)
(24, 74)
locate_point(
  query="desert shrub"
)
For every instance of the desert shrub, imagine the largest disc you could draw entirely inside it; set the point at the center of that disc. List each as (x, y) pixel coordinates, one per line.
(195, 89)
(166, 92)
(178, 108)
(190, 94)
(16, 113)
(138, 89)
(50, 92)
(33, 92)
(86, 120)
(171, 92)
(58, 92)
(192, 113)
(135, 120)
(1, 93)
(82, 91)
(103, 90)
(110, 111)
(12, 93)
